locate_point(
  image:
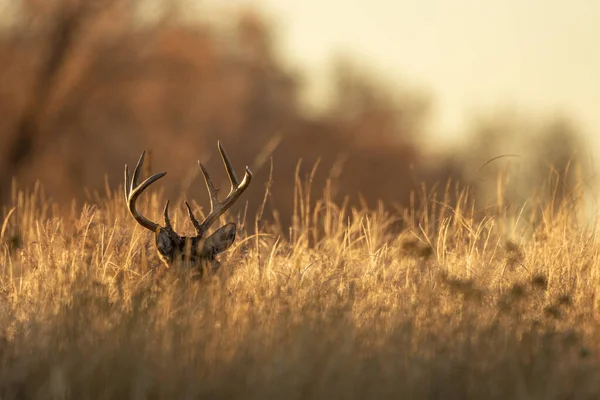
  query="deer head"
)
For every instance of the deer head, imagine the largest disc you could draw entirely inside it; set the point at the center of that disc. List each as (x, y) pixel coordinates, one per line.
(198, 251)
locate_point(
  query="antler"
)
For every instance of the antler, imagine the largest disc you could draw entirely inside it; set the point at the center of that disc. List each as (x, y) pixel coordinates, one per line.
(217, 208)
(133, 191)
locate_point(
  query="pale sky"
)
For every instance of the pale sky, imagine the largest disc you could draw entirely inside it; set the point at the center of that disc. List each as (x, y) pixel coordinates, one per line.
(541, 56)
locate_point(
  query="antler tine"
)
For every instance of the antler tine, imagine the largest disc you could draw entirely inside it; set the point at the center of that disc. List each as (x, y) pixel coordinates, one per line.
(126, 186)
(229, 168)
(133, 191)
(195, 222)
(166, 215)
(136, 172)
(237, 188)
(212, 191)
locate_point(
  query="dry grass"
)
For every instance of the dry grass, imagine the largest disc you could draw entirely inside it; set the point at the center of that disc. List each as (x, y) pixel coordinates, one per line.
(458, 304)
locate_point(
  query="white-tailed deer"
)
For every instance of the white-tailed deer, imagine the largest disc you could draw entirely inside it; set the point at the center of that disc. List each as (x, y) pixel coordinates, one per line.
(196, 251)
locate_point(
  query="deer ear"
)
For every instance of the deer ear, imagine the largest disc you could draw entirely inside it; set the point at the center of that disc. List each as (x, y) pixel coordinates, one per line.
(220, 240)
(164, 244)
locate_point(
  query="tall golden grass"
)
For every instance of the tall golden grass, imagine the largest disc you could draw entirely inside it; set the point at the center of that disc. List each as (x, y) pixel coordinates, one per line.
(441, 300)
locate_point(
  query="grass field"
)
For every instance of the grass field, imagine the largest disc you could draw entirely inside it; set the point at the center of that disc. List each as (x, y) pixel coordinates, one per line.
(439, 301)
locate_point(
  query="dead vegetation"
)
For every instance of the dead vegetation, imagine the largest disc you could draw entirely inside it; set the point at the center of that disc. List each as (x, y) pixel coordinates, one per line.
(460, 304)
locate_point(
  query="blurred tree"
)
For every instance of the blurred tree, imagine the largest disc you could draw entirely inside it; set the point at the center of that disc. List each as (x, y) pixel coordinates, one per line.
(117, 86)
(54, 40)
(374, 112)
(86, 85)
